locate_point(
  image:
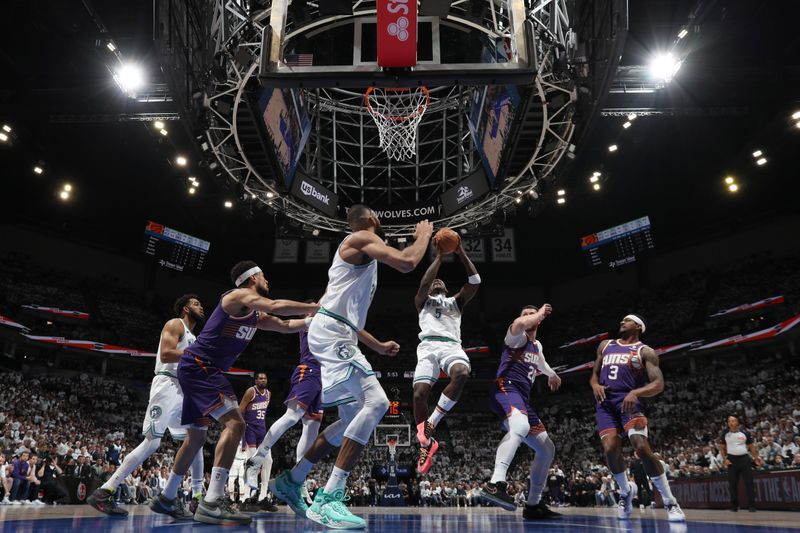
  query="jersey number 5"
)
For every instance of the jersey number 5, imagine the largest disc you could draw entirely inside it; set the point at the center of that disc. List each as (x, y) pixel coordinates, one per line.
(612, 372)
(438, 313)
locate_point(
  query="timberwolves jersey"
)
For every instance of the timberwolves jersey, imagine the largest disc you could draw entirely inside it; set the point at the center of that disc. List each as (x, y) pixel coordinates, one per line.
(171, 369)
(350, 291)
(623, 368)
(256, 412)
(440, 317)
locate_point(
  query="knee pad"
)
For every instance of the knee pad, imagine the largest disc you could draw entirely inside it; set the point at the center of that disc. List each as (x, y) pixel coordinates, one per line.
(518, 424)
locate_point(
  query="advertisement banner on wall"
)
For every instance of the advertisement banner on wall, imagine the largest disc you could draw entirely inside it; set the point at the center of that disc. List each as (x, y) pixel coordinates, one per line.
(286, 250)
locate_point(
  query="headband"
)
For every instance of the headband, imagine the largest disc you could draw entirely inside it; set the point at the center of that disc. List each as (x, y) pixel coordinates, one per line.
(636, 319)
(246, 274)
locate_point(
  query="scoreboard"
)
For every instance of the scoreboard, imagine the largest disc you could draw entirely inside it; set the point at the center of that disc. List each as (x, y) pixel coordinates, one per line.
(620, 245)
(174, 249)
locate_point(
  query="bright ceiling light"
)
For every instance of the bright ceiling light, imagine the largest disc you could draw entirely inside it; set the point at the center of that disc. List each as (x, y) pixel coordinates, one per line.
(64, 195)
(757, 153)
(561, 192)
(761, 161)
(315, 232)
(561, 201)
(632, 116)
(67, 187)
(228, 204)
(192, 190)
(270, 195)
(38, 170)
(110, 45)
(130, 78)
(181, 161)
(159, 125)
(593, 179)
(664, 66)
(6, 128)
(163, 132)
(733, 187)
(729, 180)
(532, 193)
(3, 137)
(626, 125)
(797, 124)
(518, 200)
(612, 148)
(796, 115)
(596, 186)
(596, 173)
(683, 33)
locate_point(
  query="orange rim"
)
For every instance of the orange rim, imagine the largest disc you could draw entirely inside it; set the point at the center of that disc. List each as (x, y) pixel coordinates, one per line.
(416, 113)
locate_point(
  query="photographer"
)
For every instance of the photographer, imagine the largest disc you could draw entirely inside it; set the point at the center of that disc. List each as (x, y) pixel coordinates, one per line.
(49, 474)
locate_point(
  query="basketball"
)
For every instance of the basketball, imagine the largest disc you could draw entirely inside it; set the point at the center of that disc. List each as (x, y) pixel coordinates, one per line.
(446, 241)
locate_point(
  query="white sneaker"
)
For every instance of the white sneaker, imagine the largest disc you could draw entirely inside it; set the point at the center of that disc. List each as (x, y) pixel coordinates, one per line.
(675, 513)
(26, 502)
(16, 502)
(37, 502)
(625, 506)
(5, 501)
(252, 470)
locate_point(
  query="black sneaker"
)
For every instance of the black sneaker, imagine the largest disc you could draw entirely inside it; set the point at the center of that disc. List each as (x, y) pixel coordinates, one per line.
(174, 508)
(250, 505)
(540, 511)
(497, 493)
(220, 511)
(267, 505)
(103, 501)
(194, 502)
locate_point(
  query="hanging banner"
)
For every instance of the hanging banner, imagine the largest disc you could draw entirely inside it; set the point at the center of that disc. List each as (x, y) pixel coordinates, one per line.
(585, 340)
(233, 371)
(318, 252)
(775, 300)
(503, 250)
(56, 312)
(475, 249)
(92, 346)
(5, 321)
(286, 250)
(400, 214)
(759, 335)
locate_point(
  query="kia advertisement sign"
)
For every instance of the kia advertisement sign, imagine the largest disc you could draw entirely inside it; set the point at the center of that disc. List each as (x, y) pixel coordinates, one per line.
(315, 195)
(465, 192)
(397, 33)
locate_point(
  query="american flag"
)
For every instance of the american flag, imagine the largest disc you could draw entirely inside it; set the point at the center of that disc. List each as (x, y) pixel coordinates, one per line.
(299, 60)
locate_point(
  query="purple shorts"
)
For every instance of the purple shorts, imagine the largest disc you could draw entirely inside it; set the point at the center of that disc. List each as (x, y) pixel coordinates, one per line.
(307, 390)
(611, 419)
(505, 397)
(204, 388)
(253, 435)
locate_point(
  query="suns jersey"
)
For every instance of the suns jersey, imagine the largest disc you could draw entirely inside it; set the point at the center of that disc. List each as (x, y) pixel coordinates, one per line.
(623, 367)
(350, 291)
(440, 317)
(171, 369)
(521, 365)
(255, 413)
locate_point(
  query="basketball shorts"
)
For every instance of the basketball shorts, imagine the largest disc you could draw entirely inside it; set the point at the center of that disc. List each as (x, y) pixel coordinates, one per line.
(206, 393)
(306, 390)
(253, 435)
(505, 397)
(164, 409)
(436, 356)
(335, 345)
(611, 419)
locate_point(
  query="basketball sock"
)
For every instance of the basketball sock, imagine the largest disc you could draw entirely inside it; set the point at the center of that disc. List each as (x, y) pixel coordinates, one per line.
(197, 473)
(442, 408)
(266, 470)
(622, 481)
(131, 462)
(338, 480)
(545, 452)
(307, 437)
(216, 487)
(173, 482)
(300, 471)
(276, 430)
(662, 485)
(505, 454)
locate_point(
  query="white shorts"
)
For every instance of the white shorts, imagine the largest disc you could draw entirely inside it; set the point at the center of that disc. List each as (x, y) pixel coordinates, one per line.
(164, 409)
(435, 356)
(335, 345)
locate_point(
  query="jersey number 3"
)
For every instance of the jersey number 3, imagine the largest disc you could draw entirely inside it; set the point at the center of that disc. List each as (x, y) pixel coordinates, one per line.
(612, 372)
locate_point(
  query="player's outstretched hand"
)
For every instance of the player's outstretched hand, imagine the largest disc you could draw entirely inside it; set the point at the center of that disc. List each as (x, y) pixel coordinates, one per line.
(460, 250)
(390, 348)
(554, 382)
(547, 309)
(629, 403)
(423, 230)
(599, 392)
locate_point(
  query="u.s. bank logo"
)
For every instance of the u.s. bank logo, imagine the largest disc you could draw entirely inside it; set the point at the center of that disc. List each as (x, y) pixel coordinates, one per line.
(464, 193)
(155, 412)
(345, 352)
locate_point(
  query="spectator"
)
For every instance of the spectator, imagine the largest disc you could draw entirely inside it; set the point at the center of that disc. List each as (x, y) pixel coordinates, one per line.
(21, 475)
(49, 473)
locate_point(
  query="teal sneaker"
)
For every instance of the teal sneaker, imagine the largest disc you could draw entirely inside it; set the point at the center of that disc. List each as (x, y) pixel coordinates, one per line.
(332, 512)
(290, 492)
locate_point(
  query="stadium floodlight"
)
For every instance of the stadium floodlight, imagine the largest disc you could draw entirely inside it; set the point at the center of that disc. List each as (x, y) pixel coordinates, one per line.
(163, 132)
(192, 190)
(683, 33)
(561, 192)
(270, 194)
(159, 125)
(3, 137)
(67, 187)
(130, 78)
(315, 232)
(64, 195)
(596, 186)
(6, 128)
(612, 148)
(518, 200)
(797, 124)
(181, 161)
(729, 180)
(757, 153)
(228, 204)
(664, 66)
(561, 201)
(593, 179)
(111, 46)
(626, 125)
(596, 173)
(761, 161)
(632, 116)
(38, 170)
(796, 115)
(733, 187)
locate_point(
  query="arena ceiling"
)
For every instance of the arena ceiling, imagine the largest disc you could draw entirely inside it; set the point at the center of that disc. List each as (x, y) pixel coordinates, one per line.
(734, 94)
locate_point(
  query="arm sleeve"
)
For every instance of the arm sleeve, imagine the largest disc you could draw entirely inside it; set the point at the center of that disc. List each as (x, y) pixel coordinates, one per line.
(546, 369)
(515, 341)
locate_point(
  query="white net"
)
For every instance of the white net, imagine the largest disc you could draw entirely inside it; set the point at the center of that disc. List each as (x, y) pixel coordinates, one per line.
(397, 113)
(391, 442)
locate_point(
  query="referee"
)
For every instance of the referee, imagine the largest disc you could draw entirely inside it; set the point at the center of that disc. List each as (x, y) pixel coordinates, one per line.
(736, 443)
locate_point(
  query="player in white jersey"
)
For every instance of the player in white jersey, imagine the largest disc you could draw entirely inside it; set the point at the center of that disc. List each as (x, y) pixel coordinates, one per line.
(347, 377)
(439, 350)
(164, 407)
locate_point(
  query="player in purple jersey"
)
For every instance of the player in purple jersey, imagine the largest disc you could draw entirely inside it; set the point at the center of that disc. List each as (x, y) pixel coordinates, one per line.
(207, 394)
(304, 402)
(626, 370)
(521, 361)
(253, 407)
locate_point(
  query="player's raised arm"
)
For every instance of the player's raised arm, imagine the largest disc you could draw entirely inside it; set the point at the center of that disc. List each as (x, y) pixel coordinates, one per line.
(523, 323)
(425, 283)
(281, 325)
(389, 348)
(404, 261)
(598, 389)
(470, 288)
(248, 298)
(168, 344)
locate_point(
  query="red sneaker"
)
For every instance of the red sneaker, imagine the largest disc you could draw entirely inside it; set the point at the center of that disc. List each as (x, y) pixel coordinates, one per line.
(425, 460)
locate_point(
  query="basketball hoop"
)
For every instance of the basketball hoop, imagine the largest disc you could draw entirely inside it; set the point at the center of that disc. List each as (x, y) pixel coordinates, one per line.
(391, 442)
(397, 113)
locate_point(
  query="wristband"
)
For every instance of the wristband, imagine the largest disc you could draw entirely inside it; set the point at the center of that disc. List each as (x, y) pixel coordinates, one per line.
(475, 279)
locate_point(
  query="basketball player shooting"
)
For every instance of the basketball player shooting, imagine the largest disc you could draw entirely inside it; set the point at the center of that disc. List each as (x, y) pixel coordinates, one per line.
(163, 409)
(440, 348)
(348, 380)
(624, 371)
(208, 394)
